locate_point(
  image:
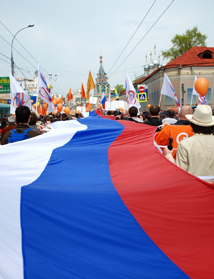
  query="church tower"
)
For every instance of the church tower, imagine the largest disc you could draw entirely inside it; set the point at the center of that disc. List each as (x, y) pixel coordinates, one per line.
(102, 84)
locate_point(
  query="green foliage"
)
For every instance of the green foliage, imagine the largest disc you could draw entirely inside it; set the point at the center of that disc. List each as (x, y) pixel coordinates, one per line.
(182, 43)
(119, 88)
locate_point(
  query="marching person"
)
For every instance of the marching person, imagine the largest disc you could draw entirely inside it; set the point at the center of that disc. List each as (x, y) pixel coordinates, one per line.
(22, 130)
(177, 132)
(196, 154)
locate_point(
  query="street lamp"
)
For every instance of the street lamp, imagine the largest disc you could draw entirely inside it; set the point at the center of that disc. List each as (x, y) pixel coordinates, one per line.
(12, 61)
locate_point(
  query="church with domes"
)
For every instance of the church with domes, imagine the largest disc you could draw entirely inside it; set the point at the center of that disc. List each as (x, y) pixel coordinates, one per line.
(102, 85)
(153, 65)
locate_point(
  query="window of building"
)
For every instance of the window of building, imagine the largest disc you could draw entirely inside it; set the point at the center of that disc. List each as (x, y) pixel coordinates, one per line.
(154, 101)
(191, 99)
(158, 97)
(207, 55)
(169, 101)
(151, 98)
(208, 96)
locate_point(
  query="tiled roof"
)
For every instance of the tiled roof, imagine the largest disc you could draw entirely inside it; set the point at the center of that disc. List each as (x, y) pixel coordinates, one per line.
(193, 58)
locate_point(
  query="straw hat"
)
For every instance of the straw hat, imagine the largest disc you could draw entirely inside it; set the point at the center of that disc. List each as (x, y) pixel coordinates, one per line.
(202, 116)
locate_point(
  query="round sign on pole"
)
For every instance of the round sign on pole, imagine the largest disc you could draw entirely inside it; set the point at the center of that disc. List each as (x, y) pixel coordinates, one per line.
(141, 89)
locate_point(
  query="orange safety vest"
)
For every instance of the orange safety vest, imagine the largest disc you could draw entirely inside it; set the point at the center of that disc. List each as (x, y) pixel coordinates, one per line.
(177, 132)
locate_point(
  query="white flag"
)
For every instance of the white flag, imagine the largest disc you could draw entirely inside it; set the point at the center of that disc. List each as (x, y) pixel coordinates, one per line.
(131, 97)
(194, 92)
(168, 90)
(43, 91)
(18, 95)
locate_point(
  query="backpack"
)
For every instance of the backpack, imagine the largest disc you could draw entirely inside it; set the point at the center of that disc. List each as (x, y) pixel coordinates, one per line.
(18, 136)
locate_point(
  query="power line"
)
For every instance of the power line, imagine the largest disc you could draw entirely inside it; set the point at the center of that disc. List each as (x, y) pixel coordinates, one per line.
(5, 56)
(133, 35)
(21, 71)
(27, 52)
(18, 42)
(5, 61)
(17, 51)
(144, 36)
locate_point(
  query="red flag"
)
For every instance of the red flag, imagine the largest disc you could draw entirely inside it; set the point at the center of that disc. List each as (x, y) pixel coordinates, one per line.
(70, 96)
(82, 92)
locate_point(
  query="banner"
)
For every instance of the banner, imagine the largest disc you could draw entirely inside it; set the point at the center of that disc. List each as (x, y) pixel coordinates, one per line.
(43, 90)
(131, 97)
(18, 95)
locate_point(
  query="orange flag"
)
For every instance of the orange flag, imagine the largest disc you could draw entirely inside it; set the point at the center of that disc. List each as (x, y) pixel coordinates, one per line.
(70, 96)
(39, 109)
(82, 92)
(88, 107)
(53, 97)
(90, 85)
(61, 100)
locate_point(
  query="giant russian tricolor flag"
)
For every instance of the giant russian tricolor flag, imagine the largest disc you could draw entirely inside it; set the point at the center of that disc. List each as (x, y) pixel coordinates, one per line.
(94, 198)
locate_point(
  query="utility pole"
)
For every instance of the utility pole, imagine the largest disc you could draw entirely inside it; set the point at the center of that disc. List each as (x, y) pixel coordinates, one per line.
(12, 61)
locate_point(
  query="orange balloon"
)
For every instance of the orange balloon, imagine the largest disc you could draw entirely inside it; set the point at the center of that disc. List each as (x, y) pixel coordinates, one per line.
(67, 110)
(121, 109)
(55, 112)
(54, 102)
(31, 101)
(74, 111)
(34, 105)
(202, 86)
(59, 107)
(45, 106)
(78, 111)
(148, 106)
(58, 100)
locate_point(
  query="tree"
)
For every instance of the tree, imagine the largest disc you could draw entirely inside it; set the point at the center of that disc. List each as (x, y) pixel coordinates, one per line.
(182, 43)
(119, 88)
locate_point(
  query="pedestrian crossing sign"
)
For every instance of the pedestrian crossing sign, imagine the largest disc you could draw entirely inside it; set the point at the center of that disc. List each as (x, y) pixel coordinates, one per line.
(142, 97)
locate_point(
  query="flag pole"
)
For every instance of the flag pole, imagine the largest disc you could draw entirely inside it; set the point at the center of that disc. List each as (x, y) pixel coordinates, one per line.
(160, 100)
(191, 99)
(37, 97)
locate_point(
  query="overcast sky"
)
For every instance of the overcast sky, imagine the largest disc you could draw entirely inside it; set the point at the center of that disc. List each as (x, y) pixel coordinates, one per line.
(68, 36)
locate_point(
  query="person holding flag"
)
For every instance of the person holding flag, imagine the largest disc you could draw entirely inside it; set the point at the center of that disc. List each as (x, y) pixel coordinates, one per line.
(43, 90)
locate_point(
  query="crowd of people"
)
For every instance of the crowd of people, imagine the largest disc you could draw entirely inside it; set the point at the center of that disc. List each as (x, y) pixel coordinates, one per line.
(186, 139)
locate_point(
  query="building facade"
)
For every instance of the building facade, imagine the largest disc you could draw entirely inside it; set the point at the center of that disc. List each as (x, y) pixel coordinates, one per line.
(102, 85)
(197, 61)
